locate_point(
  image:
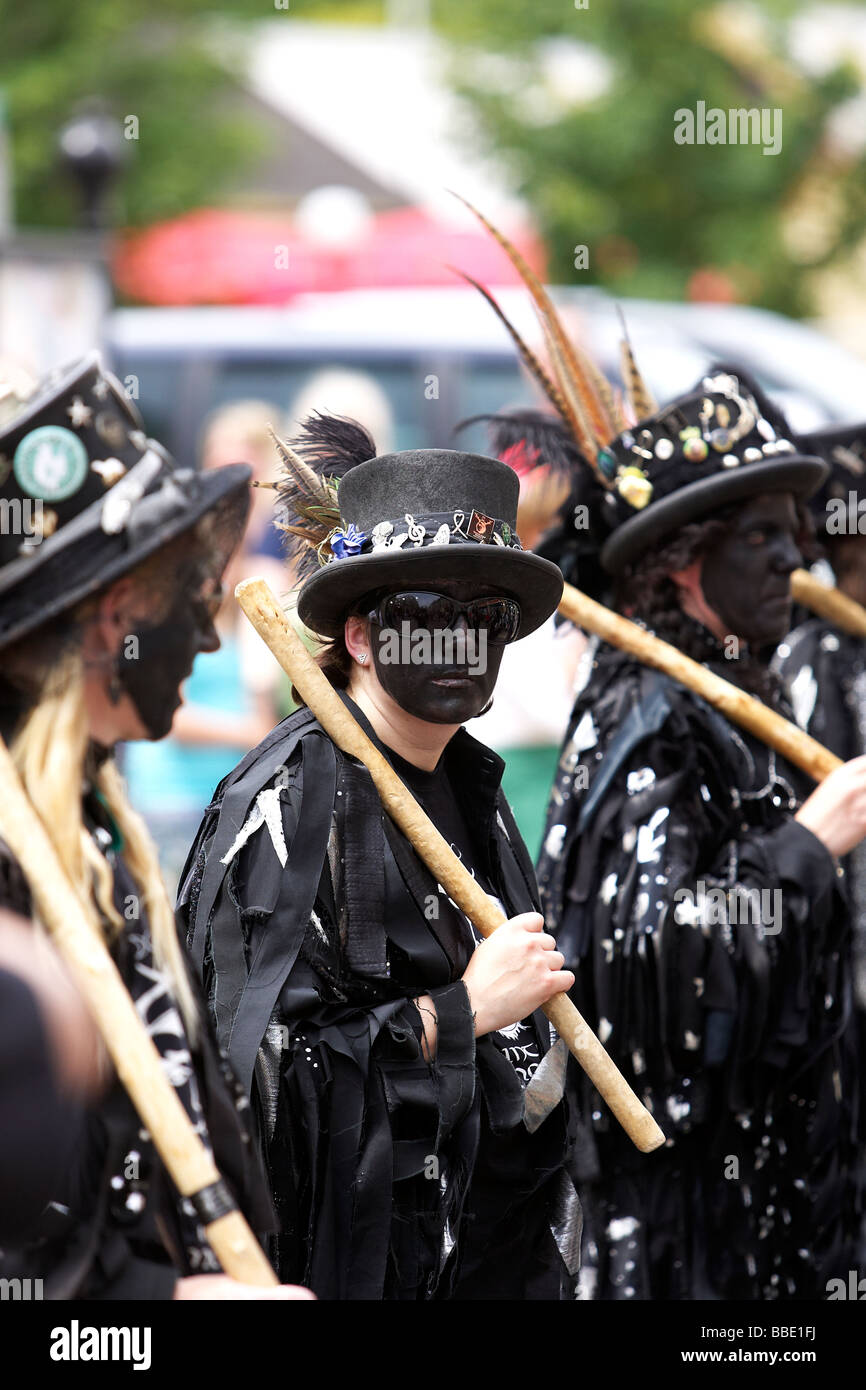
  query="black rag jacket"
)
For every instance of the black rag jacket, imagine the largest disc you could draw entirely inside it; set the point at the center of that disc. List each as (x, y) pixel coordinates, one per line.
(729, 1014)
(316, 925)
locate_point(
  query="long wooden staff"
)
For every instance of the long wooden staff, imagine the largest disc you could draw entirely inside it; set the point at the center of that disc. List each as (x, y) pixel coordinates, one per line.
(735, 704)
(78, 938)
(846, 613)
(259, 603)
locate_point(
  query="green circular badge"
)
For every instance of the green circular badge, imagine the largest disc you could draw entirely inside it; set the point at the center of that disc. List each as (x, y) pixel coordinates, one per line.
(50, 462)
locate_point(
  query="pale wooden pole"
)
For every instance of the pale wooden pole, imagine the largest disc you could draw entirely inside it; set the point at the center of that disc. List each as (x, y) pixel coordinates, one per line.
(733, 703)
(844, 612)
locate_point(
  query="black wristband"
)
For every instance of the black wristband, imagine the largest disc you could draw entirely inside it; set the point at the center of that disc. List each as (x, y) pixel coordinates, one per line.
(213, 1202)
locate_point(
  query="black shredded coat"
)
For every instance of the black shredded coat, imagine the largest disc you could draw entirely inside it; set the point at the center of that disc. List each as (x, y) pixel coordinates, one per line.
(737, 1035)
(110, 1209)
(824, 672)
(394, 1177)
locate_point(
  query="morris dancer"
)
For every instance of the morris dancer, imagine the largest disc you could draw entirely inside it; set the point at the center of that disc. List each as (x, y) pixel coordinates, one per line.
(108, 589)
(389, 1052)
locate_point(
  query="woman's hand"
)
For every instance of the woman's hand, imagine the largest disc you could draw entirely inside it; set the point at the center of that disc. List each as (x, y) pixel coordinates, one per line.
(221, 1286)
(513, 972)
(836, 810)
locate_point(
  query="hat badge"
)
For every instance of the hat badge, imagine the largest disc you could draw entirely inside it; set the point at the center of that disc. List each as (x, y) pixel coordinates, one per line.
(51, 463)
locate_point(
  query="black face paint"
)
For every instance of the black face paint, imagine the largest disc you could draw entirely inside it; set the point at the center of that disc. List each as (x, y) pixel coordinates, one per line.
(439, 691)
(155, 658)
(745, 577)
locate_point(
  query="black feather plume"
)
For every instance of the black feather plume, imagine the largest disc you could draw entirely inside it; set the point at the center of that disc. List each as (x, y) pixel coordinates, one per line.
(332, 444)
(311, 466)
(529, 438)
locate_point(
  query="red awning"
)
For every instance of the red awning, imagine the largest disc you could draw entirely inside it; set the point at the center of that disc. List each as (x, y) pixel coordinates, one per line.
(212, 256)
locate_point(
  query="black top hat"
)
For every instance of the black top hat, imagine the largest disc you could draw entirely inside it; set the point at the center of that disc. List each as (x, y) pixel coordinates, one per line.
(421, 517)
(836, 506)
(712, 447)
(85, 495)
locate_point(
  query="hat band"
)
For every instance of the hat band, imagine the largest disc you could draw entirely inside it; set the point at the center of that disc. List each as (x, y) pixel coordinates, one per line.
(435, 529)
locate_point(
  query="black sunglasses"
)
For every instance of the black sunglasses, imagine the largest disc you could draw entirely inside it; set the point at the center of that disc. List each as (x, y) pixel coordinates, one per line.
(498, 617)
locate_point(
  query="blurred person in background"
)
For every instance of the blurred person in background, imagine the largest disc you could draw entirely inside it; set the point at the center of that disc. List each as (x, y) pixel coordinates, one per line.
(101, 614)
(240, 432)
(351, 394)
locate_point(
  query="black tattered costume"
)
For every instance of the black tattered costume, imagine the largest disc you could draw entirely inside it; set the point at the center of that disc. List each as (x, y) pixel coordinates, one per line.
(822, 666)
(394, 1177)
(736, 1034)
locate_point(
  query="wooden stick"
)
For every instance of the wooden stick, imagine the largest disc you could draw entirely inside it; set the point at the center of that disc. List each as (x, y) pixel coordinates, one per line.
(779, 733)
(77, 936)
(844, 612)
(259, 603)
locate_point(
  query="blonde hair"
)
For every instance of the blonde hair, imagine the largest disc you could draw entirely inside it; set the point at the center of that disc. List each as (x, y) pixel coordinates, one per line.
(246, 421)
(50, 752)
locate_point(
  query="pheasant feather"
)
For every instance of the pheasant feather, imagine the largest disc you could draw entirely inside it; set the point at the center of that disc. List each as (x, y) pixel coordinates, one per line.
(602, 427)
(548, 386)
(638, 395)
(580, 425)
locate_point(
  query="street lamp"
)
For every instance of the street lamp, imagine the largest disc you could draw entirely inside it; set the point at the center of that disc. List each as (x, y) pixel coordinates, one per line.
(91, 147)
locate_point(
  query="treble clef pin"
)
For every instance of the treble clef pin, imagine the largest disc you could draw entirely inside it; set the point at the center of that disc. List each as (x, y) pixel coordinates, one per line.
(417, 532)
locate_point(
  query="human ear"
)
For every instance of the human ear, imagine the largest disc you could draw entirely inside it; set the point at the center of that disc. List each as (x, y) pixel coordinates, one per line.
(113, 616)
(357, 638)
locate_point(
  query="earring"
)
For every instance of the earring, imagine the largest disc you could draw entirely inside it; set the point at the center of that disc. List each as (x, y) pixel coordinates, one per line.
(362, 657)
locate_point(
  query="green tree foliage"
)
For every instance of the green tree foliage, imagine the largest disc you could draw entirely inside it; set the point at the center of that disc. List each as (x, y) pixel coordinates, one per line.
(153, 61)
(607, 172)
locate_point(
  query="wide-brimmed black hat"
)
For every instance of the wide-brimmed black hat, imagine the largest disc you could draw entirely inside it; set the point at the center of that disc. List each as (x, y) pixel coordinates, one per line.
(707, 449)
(421, 517)
(839, 505)
(85, 495)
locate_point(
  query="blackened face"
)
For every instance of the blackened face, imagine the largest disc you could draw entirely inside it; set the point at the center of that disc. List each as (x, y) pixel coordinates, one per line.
(439, 686)
(156, 658)
(745, 578)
